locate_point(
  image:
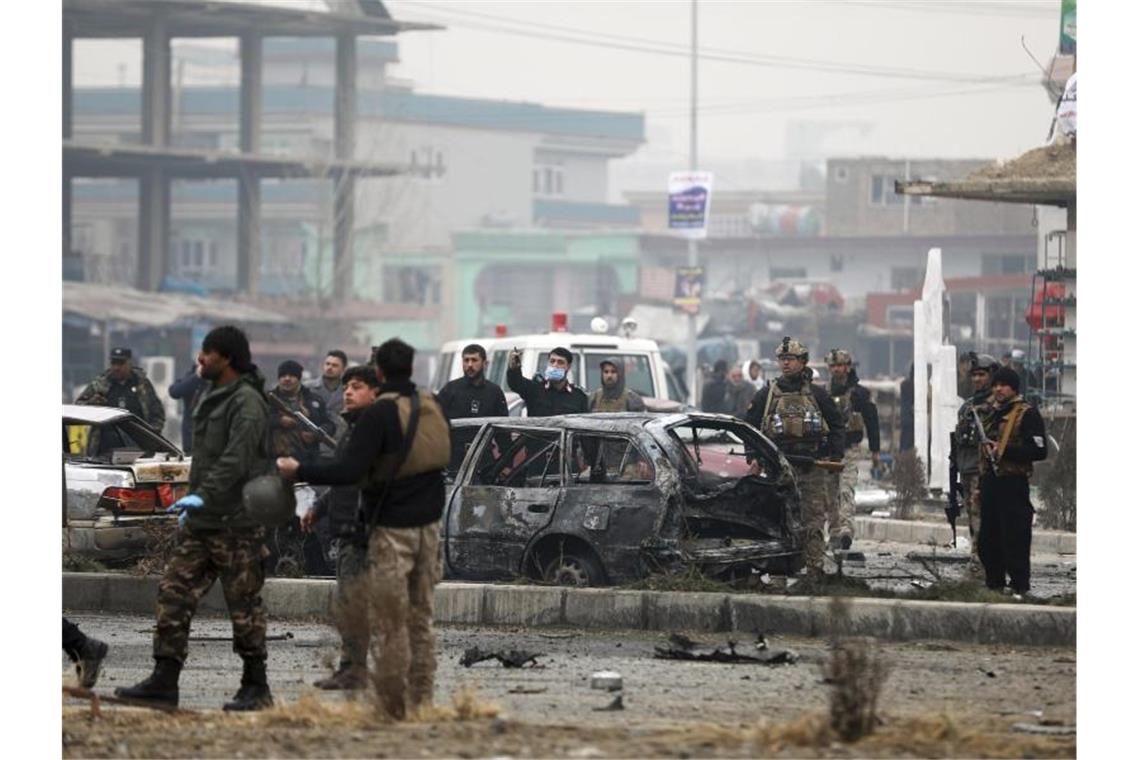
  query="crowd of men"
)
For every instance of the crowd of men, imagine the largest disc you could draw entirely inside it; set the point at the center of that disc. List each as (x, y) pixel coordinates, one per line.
(393, 443)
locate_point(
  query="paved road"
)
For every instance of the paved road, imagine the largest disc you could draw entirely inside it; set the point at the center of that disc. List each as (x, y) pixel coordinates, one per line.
(927, 677)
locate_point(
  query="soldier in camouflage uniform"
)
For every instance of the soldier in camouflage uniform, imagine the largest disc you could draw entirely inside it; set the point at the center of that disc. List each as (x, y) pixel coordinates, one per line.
(803, 421)
(125, 387)
(964, 443)
(855, 404)
(216, 539)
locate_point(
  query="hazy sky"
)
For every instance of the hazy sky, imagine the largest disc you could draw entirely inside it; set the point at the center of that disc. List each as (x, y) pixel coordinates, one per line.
(772, 64)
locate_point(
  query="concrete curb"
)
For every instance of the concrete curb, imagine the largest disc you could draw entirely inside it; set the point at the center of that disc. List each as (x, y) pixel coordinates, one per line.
(538, 606)
(922, 532)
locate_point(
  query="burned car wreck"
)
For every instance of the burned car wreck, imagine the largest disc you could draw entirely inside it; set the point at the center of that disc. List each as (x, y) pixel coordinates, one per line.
(598, 499)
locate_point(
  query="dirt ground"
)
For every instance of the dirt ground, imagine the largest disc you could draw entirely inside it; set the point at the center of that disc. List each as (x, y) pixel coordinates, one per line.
(941, 699)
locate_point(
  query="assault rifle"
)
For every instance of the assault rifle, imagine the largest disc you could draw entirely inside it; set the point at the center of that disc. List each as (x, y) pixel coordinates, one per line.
(985, 441)
(823, 464)
(306, 423)
(954, 509)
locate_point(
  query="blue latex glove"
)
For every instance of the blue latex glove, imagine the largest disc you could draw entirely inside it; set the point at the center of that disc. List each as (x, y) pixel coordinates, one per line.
(183, 506)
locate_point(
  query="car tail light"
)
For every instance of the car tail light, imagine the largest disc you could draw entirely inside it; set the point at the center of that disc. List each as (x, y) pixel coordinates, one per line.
(168, 493)
(134, 500)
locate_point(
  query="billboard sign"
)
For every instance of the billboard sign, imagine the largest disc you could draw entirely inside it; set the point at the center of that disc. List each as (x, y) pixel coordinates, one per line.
(690, 194)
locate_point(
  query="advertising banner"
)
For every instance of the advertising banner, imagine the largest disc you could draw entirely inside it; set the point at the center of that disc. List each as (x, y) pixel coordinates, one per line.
(690, 194)
(687, 289)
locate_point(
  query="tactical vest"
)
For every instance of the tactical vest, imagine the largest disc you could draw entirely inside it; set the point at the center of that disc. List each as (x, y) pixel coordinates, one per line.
(854, 419)
(1009, 429)
(603, 404)
(966, 436)
(792, 419)
(431, 449)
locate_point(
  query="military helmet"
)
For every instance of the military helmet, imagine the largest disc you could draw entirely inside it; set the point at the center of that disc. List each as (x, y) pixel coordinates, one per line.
(269, 500)
(793, 347)
(982, 362)
(837, 356)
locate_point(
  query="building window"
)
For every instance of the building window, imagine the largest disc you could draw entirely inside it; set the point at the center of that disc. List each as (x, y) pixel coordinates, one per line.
(547, 178)
(905, 278)
(1008, 263)
(788, 273)
(413, 285)
(427, 162)
(194, 257)
(836, 262)
(841, 175)
(1005, 318)
(883, 190)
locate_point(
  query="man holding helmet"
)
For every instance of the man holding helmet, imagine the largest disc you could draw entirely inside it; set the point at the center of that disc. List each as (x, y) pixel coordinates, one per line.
(804, 423)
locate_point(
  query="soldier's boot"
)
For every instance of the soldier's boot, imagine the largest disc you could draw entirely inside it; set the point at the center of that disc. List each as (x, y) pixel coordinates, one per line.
(254, 691)
(347, 676)
(91, 656)
(160, 687)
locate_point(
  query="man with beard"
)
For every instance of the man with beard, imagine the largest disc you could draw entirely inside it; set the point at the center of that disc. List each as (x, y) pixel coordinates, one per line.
(965, 465)
(216, 539)
(1016, 436)
(855, 404)
(288, 437)
(804, 423)
(613, 396)
(340, 504)
(738, 392)
(470, 396)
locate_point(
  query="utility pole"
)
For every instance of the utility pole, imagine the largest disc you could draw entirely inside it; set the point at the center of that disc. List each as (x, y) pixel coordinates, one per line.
(692, 357)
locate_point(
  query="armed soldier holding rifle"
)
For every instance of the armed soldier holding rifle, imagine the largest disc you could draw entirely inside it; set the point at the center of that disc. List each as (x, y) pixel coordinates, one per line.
(301, 422)
(808, 428)
(964, 456)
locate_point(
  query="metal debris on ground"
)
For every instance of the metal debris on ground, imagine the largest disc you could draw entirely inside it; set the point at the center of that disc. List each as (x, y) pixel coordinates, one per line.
(607, 680)
(558, 635)
(681, 647)
(949, 557)
(509, 658)
(526, 690)
(989, 673)
(1044, 728)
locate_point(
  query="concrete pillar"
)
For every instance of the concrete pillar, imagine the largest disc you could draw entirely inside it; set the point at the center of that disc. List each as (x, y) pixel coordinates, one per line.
(154, 228)
(249, 184)
(344, 185)
(154, 184)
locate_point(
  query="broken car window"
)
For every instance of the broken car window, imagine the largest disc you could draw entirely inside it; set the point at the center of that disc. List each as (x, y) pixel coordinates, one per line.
(716, 452)
(520, 458)
(608, 459)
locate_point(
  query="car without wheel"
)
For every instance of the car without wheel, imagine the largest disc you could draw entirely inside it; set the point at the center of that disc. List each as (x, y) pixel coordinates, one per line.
(599, 499)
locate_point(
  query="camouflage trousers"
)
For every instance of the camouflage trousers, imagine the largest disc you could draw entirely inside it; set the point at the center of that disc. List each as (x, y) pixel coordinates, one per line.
(841, 511)
(814, 505)
(350, 605)
(404, 567)
(236, 557)
(972, 501)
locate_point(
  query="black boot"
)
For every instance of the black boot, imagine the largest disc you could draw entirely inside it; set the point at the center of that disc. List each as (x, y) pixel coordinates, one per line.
(91, 656)
(161, 687)
(254, 692)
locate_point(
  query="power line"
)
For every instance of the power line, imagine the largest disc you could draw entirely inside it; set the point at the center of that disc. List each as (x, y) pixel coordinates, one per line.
(591, 38)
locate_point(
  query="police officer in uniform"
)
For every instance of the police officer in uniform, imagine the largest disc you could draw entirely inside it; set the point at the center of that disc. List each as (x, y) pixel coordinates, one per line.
(555, 394)
(397, 452)
(803, 421)
(964, 463)
(855, 404)
(1016, 436)
(125, 387)
(472, 395)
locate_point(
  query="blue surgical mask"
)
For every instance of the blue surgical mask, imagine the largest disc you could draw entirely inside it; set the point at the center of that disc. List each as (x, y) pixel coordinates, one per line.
(555, 374)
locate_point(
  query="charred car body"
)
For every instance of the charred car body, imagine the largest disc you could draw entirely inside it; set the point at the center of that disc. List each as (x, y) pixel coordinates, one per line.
(598, 499)
(119, 476)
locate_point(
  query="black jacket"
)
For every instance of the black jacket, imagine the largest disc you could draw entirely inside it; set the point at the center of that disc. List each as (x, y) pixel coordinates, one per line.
(713, 396)
(461, 399)
(287, 441)
(860, 402)
(341, 503)
(543, 400)
(411, 501)
(832, 447)
(1026, 445)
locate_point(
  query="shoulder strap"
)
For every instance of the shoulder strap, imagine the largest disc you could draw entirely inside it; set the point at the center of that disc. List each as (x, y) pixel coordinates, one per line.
(1011, 422)
(772, 389)
(405, 448)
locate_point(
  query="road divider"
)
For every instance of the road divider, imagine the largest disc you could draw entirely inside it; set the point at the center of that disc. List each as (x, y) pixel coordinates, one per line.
(546, 606)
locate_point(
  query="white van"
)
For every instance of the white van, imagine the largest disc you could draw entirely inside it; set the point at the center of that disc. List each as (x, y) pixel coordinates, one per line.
(645, 371)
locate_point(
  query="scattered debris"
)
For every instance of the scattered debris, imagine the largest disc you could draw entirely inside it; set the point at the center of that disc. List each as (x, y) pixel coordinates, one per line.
(1071, 660)
(527, 690)
(613, 706)
(1044, 728)
(288, 635)
(989, 673)
(509, 658)
(607, 680)
(950, 557)
(559, 635)
(681, 647)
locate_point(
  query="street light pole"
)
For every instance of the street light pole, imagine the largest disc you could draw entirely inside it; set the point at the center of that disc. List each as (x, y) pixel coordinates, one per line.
(692, 347)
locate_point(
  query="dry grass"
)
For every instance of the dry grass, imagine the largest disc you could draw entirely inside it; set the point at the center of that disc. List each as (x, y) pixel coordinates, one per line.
(856, 670)
(161, 536)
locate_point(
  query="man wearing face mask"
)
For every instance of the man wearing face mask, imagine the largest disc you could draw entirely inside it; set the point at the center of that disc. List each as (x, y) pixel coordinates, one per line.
(613, 396)
(556, 394)
(470, 396)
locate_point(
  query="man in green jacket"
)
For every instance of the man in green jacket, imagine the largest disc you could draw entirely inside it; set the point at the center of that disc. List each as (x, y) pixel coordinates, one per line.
(216, 539)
